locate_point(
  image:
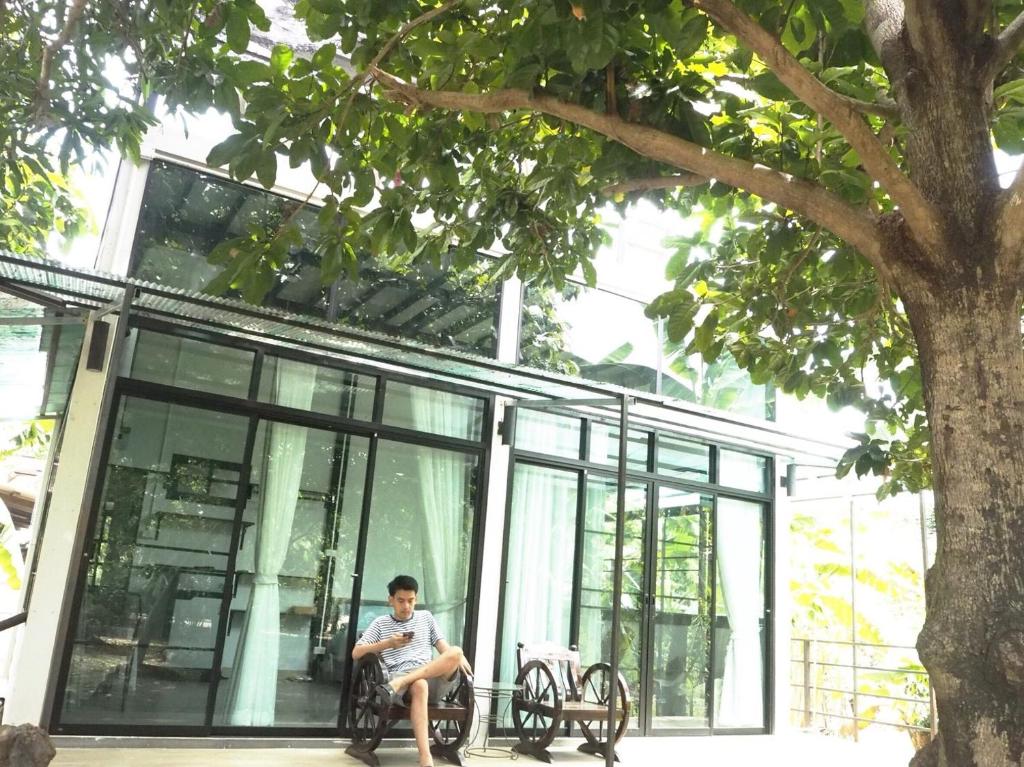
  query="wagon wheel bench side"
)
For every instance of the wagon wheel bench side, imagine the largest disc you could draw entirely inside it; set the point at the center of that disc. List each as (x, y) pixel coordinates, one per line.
(371, 714)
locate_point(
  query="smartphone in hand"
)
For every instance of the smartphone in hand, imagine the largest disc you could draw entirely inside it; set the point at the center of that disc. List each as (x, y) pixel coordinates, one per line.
(408, 634)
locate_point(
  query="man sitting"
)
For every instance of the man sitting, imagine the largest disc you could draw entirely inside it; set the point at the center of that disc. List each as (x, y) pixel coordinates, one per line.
(403, 640)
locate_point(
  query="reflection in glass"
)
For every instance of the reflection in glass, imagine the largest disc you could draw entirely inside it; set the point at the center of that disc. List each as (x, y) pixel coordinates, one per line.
(542, 432)
(683, 459)
(285, 650)
(433, 411)
(541, 548)
(603, 336)
(186, 214)
(446, 306)
(421, 524)
(191, 364)
(597, 581)
(335, 392)
(743, 470)
(144, 641)
(604, 446)
(739, 628)
(681, 619)
(593, 334)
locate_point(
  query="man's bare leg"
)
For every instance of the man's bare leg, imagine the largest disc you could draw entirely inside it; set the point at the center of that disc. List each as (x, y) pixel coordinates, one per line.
(444, 665)
(418, 691)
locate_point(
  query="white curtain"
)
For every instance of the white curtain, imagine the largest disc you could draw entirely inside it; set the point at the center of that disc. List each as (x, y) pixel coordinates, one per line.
(739, 552)
(444, 490)
(254, 682)
(542, 541)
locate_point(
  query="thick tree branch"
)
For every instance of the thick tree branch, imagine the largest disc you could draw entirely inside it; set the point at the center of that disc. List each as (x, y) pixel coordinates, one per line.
(360, 80)
(656, 182)
(1007, 46)
(856, 226)
(43, 84)
(921, 217)
(883, 22)
(884, 107)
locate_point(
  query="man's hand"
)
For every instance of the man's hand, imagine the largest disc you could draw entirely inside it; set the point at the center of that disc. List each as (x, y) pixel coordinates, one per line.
(466, 668)
(398, 640)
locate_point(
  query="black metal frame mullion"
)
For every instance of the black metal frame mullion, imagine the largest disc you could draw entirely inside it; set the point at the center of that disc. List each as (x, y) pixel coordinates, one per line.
(357, 580)
(227, 595)
(645, 695)
(483, 471)
(712, 615)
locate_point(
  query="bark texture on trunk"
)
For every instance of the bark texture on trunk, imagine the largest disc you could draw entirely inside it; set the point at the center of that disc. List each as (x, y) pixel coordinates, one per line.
(969, 340)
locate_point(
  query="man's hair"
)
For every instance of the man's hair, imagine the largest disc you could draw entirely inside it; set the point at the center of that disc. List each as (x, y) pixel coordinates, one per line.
(403, 583)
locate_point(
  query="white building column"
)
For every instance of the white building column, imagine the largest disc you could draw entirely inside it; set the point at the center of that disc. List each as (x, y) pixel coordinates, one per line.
(780, 617)
(37, 655)
(493, 544)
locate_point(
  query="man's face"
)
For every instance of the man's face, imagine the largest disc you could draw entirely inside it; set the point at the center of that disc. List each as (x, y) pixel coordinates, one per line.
(403, 603)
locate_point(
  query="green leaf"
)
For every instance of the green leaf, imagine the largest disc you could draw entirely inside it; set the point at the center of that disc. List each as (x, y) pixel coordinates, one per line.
(280, 58)
(226, 151)
(266, 169)
(324, 56)
(237, 29)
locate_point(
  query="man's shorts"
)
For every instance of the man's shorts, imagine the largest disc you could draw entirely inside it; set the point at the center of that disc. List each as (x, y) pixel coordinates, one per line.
(437, 688)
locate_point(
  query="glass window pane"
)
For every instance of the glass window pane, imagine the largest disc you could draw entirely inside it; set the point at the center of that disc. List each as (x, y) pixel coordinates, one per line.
(191, 364)
(683, 459)
(604, 446)
(541, 432)
(446, 306)
(739, 641)
(185, 214)
(541, 548)
(682, 610)
(285, 653)
(433, 411)
(742, 470)
(142, 649)
(421, 524)
(597, 580)
(593, 334)
(335, 392)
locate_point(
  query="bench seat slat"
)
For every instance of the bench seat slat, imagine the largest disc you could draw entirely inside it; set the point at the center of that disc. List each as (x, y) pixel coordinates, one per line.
(440, 710)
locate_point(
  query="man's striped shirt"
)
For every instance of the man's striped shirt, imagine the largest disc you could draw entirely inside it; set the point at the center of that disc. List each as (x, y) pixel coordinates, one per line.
(413, 655)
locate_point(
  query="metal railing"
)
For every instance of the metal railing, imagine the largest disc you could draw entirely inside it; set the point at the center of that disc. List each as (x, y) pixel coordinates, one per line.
(859, 683)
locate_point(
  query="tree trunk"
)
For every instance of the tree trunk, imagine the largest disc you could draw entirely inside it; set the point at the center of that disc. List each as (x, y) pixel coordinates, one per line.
(969, 341)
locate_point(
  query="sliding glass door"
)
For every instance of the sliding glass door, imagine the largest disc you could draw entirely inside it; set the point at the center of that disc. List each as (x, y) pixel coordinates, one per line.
(692, 615)
(596, 584)
(679, 611)
(291, 596)
(144, 645)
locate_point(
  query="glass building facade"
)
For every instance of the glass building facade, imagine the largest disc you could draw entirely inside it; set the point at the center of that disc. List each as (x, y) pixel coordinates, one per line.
(252, 499)
(240, 492)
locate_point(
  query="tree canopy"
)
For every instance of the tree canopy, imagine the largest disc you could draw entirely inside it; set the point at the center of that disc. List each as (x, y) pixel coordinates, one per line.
(840, 152)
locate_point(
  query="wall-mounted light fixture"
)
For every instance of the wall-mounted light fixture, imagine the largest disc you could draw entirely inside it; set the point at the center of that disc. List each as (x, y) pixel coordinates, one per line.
(507, 426)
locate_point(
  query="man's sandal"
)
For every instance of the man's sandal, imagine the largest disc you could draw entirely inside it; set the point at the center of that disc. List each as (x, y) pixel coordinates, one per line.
(397, 697)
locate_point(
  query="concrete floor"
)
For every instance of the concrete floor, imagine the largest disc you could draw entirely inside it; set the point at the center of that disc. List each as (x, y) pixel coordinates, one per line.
(790, 749)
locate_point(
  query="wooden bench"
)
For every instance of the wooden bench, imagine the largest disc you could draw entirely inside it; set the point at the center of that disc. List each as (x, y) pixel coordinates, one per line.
(371, 713)
(552, 691)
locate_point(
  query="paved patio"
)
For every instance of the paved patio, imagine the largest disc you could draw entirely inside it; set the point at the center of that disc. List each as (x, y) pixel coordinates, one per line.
(789, 749)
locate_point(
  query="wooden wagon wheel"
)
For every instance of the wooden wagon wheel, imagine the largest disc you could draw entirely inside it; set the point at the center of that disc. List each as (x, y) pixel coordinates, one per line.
(595, 689)
(450, 734)
(368, 705)
(536, 709)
